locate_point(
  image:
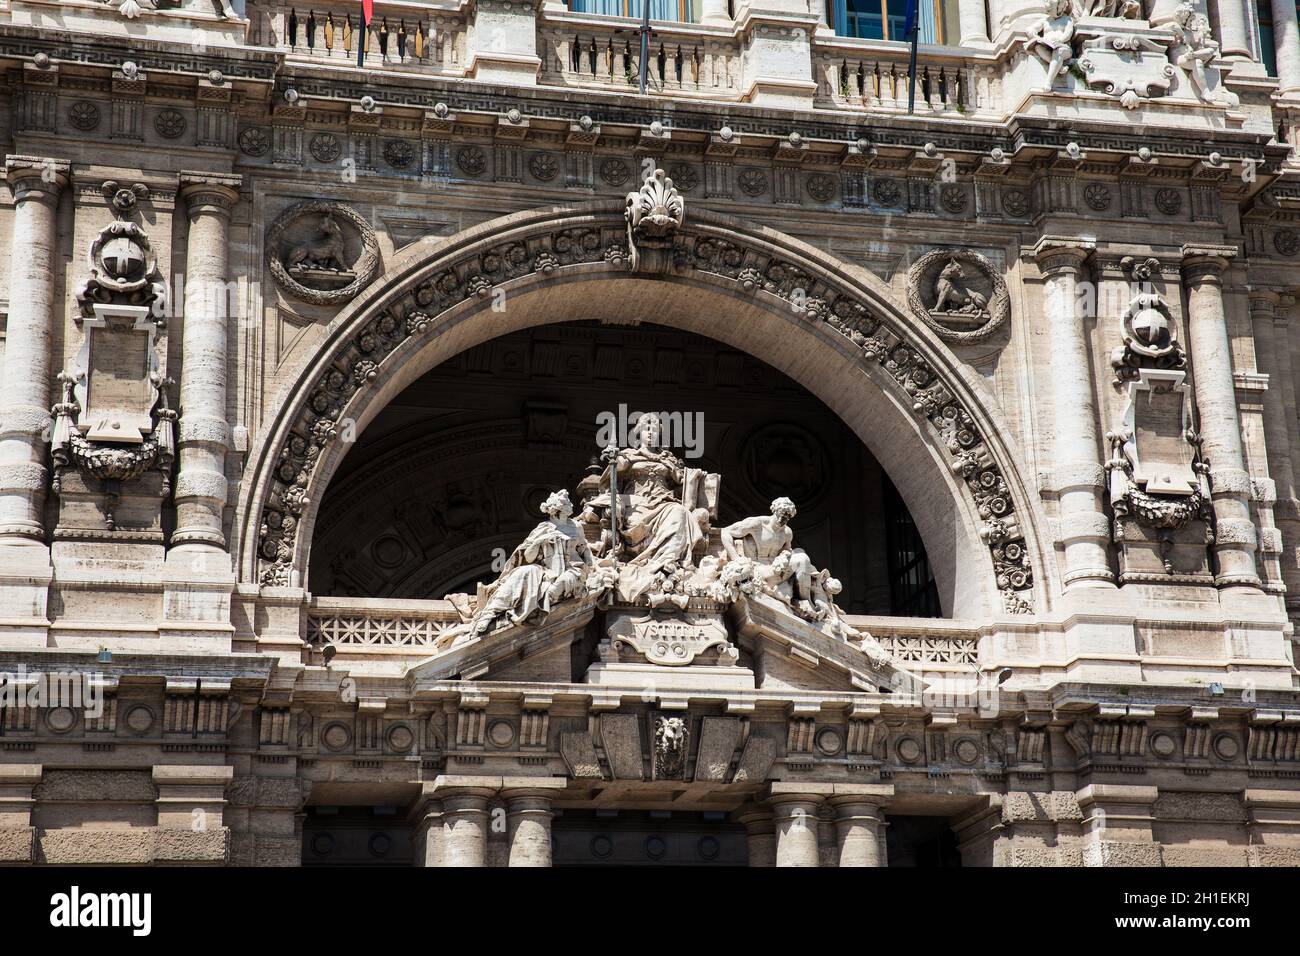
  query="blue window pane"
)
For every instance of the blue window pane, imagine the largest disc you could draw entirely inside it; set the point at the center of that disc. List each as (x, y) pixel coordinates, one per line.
(862, 18)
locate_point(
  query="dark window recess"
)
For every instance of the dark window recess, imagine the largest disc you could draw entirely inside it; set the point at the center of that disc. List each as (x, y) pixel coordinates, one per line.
(921, 842)
(912, 591)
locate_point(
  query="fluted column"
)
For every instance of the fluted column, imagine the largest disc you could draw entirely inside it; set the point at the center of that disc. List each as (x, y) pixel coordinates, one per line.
(858, 825)
(1220, 424)
(973, 22)
(204, 433)
(464, 826)
(528, 819)
(1234, 41)
(1286, 46)
(796, 822)
(1079, 477)
(760, 834)
(27, 373)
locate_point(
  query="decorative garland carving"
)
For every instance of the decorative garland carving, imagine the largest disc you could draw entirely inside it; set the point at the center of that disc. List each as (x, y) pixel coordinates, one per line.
(753, 269)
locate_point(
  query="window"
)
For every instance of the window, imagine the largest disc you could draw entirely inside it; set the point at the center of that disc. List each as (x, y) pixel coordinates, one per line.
(670, 10)
(912, 590)
(887, 20)
(1267, 51)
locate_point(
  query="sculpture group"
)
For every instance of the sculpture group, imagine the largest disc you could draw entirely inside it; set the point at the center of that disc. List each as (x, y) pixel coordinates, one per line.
(1092, 37)
(644, 539)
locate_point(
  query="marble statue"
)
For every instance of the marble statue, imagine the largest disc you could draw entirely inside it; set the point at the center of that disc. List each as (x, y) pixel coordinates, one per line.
(1052, 38)
(1194, 48)
(551, 565)
(662, 512)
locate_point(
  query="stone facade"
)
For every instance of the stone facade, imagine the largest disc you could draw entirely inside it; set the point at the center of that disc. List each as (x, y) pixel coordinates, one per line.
(1054, 304)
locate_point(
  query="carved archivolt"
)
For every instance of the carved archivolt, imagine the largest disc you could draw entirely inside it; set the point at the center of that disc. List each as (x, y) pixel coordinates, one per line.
(322, 252)
(750, 266)
(959, 294)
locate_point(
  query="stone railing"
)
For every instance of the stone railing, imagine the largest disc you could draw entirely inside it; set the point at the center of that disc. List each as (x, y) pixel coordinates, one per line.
(366, 627)
(369, 626)
(873, 76)
(405, 34)
(604, 53)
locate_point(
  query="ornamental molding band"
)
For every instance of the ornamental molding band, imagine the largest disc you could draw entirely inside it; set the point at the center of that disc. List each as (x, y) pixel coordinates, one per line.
(322, 252)
(113, 424)
(588, 243)
(959, 294)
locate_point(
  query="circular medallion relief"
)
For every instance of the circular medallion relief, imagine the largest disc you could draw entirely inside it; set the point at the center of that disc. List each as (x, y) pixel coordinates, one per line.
(84, 115)
(325, 147)
(336, 736)
(139, 718)
(752, 182)
(543, 166)
(829, 741)
(322, 252)
(966, 750)
(615, 172)
(60, 719)
(1225, 746)
(908, 750)
(887, 192)
(959, 294)
(400, 738)
(1287, 242)
(471, 160)
(170, 124)
(253, 141)
(500, 733)
(1163, 745)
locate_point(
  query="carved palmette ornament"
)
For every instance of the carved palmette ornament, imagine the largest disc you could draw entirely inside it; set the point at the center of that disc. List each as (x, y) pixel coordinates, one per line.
(113, 422)
(654, 213)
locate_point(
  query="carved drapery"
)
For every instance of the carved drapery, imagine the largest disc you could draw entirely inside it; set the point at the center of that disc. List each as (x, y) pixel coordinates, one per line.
(747, 266)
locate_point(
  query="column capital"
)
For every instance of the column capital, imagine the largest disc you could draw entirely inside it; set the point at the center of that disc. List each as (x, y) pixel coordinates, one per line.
(1056, 254)
(37, 177)
(213, 193)
(1263, 301)
(1206, 262)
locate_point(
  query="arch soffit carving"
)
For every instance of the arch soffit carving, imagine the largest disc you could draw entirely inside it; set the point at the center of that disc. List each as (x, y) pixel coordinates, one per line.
(434, 283)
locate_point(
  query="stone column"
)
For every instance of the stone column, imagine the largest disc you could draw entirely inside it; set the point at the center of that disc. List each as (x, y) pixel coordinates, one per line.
(795, 816)
(1286, 43)
(1220, 425)
(760, 834)
(858, 824)
(428, 835)
(715, 12)
(1270, 359)
(528, 818)
(27, 374)
(1233, 38)
(1079, 477)
(204, 433)
(464, 825)
(973, 22)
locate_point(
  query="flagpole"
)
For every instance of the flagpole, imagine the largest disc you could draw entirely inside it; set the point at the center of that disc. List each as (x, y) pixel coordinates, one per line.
(913, 29)
(645, 41)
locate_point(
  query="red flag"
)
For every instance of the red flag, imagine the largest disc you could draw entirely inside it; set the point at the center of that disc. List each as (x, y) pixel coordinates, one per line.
(367, 14)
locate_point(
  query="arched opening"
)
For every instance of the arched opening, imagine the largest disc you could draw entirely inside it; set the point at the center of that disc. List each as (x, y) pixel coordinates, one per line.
(824, 324)
(449, 476)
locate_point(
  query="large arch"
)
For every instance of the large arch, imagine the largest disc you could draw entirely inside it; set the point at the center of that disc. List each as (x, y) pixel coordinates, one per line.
(826, 324)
